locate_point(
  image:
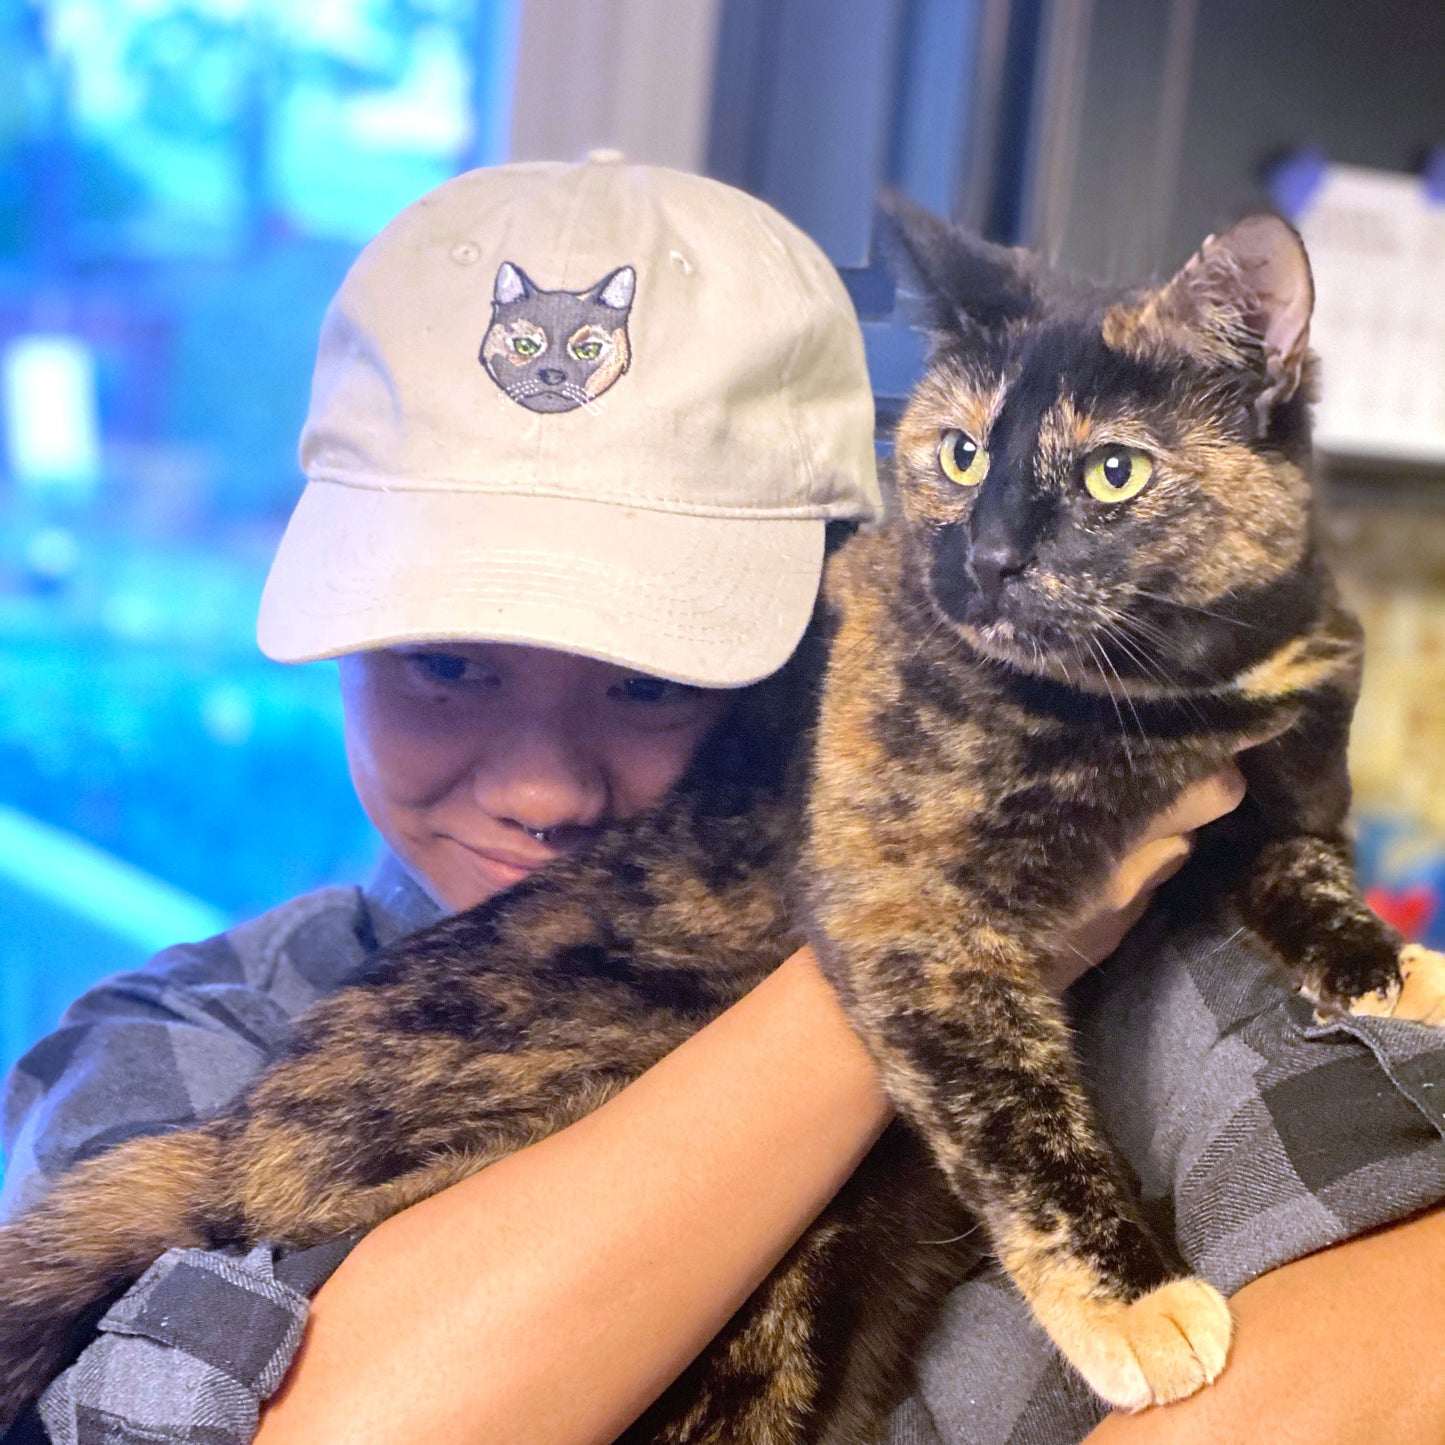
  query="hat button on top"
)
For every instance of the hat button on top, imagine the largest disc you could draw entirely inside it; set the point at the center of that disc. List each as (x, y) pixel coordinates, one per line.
(605, 157)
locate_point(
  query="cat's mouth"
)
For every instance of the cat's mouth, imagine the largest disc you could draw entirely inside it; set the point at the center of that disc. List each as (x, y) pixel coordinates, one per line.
(1075, 650)
(543, 396)
(1039, 624)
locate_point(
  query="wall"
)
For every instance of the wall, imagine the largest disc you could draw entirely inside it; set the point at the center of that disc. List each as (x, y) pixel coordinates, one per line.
(1363, 82)
(630, 75)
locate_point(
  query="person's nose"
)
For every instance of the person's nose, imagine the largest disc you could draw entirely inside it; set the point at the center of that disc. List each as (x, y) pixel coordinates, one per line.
(540, 777)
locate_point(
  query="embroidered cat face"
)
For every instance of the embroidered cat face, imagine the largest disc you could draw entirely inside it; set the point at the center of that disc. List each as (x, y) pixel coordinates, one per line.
(555, 350)
(1109, 488)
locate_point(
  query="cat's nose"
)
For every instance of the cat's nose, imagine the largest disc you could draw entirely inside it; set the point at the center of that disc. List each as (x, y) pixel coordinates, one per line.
(552, 376)
(991, 560)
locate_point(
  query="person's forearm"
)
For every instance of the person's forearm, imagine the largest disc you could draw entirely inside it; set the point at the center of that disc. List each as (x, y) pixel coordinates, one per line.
(1341, 1348)
(552, 1296)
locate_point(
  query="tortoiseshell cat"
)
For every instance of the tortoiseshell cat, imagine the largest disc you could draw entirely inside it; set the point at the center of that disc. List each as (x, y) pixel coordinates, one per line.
(1102, 582)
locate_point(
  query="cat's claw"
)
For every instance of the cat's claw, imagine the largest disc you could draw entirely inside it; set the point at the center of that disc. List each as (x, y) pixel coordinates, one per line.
(1162, 1347)
(1420, 995)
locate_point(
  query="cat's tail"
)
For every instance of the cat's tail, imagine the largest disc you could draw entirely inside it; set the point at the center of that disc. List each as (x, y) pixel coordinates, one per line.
(98, 1229)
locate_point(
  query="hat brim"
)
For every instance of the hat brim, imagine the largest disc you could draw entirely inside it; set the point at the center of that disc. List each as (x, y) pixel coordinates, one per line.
(712, 601)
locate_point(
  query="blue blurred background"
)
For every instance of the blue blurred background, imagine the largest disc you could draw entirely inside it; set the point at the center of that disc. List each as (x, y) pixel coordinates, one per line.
(183, 183)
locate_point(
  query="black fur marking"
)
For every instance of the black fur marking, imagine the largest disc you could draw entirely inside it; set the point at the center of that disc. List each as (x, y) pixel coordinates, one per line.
(455, 1012)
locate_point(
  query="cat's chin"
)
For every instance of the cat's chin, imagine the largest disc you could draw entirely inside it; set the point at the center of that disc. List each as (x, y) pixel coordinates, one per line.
(1001, 641)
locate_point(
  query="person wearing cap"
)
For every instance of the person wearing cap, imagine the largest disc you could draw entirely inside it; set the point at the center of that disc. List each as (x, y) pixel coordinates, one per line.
(576, 438)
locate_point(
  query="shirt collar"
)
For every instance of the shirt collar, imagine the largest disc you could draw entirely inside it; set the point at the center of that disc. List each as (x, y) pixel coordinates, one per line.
(399, 904)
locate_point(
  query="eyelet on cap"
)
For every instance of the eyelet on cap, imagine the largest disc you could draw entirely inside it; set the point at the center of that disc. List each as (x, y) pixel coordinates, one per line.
(464, 253)
(605, 157)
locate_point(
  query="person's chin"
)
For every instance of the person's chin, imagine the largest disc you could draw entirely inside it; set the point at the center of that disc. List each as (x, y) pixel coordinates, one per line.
(480, 876)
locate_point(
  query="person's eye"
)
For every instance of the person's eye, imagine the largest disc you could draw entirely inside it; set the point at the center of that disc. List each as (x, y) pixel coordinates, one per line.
(654, 691)
(450, 667)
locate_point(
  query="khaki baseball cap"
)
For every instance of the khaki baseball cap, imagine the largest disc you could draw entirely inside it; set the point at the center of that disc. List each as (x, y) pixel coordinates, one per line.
(604, 408)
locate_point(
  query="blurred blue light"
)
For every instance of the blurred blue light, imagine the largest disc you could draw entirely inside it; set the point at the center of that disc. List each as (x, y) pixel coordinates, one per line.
(111, 894)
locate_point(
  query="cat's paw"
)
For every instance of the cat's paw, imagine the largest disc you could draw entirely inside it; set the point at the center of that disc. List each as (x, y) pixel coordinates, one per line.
(1164, 1346)
(1420, 993)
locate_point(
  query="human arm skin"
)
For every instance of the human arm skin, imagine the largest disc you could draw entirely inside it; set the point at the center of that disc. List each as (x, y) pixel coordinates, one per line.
(551, 1297)
(1338, 1348)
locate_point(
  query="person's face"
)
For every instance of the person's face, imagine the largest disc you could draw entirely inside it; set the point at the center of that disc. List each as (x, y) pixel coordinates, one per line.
(460, 752)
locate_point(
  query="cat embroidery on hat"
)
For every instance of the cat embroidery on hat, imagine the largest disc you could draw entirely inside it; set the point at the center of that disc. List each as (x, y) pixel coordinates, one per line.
(556, 350)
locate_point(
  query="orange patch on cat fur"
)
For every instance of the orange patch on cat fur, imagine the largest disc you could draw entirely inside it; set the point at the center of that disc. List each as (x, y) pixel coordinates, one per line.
(613, 367)
(1298, 666)
(1162, 1347)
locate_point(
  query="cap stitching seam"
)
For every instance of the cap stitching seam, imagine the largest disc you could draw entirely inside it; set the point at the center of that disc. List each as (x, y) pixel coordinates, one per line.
(672, 505)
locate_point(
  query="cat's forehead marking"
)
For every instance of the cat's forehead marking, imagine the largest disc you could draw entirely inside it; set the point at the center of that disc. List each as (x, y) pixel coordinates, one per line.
(957, 395)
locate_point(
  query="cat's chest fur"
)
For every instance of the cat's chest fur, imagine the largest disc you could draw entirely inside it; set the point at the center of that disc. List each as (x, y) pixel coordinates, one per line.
(926, 750)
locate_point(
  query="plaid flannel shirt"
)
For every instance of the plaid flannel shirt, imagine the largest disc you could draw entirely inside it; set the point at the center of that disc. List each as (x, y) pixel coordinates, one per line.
(1257, 1137)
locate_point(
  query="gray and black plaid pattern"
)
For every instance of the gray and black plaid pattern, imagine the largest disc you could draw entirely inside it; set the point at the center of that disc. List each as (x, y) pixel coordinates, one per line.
(191, 1351)
(1256, 1136)
(188, 1354)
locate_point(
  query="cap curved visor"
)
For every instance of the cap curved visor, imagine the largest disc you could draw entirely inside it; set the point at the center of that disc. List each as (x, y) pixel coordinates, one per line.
(713, 601)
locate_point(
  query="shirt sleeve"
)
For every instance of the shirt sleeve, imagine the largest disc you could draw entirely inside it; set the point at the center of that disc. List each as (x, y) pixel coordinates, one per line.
(1256, 1135)
(191, 1351)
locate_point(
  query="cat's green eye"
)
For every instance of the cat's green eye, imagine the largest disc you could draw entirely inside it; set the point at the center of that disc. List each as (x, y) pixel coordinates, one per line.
(526, 345)
(587, 350)
(1114, 474)
(961, 458)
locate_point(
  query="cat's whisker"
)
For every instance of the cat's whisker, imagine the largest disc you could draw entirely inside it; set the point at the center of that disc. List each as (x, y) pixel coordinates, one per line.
(1168, 689)
(1118, 628)
(1224, 943)
(1133, 635)
(1194, 607)
(926, 639)
(1102, 658)
(1115, 629)
(953, 1238)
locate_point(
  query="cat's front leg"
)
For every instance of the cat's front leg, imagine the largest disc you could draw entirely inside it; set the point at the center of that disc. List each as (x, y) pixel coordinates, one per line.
(979, 1060)
(1301, 894)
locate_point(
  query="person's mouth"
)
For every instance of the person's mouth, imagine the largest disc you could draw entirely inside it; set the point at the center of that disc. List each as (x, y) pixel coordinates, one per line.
(503, 867)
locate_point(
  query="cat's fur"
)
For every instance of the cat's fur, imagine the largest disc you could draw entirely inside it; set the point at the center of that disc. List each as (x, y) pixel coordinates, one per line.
(1017, 675)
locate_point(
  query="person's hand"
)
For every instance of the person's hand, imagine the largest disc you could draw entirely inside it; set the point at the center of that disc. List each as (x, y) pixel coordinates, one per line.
(1160, 851)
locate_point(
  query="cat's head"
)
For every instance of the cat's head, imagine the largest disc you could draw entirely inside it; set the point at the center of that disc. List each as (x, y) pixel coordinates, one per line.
(1110, 487)
(555, 350)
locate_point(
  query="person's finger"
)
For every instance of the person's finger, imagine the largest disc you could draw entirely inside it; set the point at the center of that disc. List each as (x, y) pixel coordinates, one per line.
(1199, 804)
(1170, 855)
(1145, 867)
(1092, 943)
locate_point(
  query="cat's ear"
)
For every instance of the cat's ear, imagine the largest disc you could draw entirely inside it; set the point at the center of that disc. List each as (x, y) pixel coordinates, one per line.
(956, 280)
(1251, 284)
(615, 289)
(512, 284)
